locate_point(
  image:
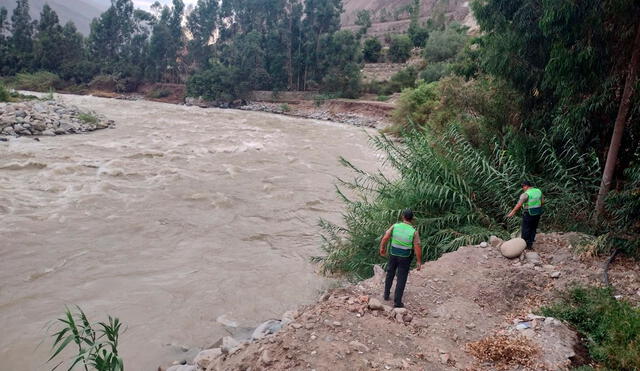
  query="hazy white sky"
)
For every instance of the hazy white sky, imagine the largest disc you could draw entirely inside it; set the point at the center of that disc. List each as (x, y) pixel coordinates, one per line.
(146, 4)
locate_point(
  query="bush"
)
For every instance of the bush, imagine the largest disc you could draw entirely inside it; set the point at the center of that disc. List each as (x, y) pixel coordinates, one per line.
(284, 107)
(88, 118)
(159, 93)
(217, 83)
(383, 98)
(435, 71)
(405, 78)
(400, 48)
(343, 81)
(372, 50)
(104, 83)
(40, 81)
(460, 196)
(5, 96)
(444, 45)
(610, 327)
(416, 105)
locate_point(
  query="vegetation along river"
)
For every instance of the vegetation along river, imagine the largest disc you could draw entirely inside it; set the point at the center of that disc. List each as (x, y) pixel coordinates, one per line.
(174, 218)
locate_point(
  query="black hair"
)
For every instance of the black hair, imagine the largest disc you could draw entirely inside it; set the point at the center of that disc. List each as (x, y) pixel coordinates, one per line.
(526, 183)
(407, 214)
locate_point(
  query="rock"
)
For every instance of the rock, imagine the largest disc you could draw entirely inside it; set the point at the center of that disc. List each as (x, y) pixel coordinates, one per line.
(400, 311)
(375, 304)
(289, 316)
(265, 358)
(226, 321)
(444, 358)
(296, 325)
(555, 275)
(267, 328)
(8, 131)
(523, 326)
(205, 357)
(484, 244)
(548, 267)
(407, 317)
(21, 113)
(182, 368)
(533, 258)
(48, 133)
(513, 248)
(388, 308)
(470, 326)
(358, 346)
(495, 241)
(378, 274)
(230, 345)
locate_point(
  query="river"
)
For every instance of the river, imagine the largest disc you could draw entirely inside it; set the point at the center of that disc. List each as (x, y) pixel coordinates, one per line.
(174, 218)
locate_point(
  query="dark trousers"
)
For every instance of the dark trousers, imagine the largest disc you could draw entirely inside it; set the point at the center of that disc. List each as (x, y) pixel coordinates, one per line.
(401, 265)
(529, 227)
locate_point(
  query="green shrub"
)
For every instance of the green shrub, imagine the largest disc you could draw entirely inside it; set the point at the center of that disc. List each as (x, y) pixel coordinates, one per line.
(416, 105)
(217, 83)
(400, 48)
(159, 93)
(610, 327)
(5, 96)
(39, 81)
(460, 195)
(344, 81)
(284, 107)
(372, 50)
(435, 71)
(444, 45)
(383, 98)
(96, 344)
(88, 118)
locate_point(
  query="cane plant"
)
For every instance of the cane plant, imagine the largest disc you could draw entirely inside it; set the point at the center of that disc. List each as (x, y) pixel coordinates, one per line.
(96, 344)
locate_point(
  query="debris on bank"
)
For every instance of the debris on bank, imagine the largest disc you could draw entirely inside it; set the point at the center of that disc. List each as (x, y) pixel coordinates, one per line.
(472, 309)
(47, 118)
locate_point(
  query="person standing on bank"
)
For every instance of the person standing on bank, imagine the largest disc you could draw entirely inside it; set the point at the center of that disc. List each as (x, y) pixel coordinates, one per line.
(404, 240)
(532, 201)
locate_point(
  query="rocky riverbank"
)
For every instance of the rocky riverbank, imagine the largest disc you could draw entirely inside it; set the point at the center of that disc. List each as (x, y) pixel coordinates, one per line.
(471, 309)
(47, 118)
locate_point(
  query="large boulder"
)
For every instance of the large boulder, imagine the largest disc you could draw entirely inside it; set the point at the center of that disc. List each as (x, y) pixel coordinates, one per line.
(513, 248)
(205, 357)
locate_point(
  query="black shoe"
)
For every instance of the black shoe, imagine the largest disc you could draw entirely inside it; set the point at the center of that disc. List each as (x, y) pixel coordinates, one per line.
(396, 305)
(386, 298)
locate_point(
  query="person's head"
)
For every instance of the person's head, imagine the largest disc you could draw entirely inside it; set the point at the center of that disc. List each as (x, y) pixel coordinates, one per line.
(407, 215)
(526, 185)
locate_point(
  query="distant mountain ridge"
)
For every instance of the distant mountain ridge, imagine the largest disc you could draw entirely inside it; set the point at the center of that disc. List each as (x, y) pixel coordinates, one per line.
(80, 12)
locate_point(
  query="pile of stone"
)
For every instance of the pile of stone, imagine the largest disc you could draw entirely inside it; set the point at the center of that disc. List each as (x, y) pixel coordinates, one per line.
(47, 118)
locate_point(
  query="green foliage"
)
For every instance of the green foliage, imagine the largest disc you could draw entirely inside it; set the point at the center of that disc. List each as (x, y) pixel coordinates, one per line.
(5, 96)
(416, 105)
(382, 98)
(435, 71)
(371, 50)
(400, 48)
(217, 83)
(460, 195)
(445, 45)
(159, 93)
(363, 19)
(96, 343)
(39, 81)
(284, 107)
(611, 328)
(88, 118)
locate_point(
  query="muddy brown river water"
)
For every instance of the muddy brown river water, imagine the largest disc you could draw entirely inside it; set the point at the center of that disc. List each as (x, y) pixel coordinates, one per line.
(178, 216)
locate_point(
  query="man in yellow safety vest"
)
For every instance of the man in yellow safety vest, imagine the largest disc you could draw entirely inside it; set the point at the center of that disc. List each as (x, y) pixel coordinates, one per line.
(404, 240)
(532, 200)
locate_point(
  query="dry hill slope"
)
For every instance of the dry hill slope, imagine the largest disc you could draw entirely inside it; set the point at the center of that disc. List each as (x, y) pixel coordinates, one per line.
(80, 12)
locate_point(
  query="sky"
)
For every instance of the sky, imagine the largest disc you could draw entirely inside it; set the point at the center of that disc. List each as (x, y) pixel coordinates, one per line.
(146, 4)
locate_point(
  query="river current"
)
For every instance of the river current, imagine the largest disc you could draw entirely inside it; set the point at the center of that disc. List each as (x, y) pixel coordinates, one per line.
(177, 217)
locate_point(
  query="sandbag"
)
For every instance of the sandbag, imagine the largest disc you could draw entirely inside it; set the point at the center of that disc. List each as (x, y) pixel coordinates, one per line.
(513, 248)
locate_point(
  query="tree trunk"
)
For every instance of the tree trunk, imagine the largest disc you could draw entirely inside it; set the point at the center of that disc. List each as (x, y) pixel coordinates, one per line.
(618, 129)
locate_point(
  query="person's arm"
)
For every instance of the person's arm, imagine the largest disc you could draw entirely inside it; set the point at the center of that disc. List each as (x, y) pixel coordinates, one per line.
(417, 249)
(521, 201)
(385, 241)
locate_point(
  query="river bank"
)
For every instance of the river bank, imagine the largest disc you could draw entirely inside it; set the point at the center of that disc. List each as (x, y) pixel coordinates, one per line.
(461, 306)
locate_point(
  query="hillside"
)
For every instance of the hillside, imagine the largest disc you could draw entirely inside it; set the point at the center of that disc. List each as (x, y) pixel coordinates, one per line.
(80, 12)
(392, 16)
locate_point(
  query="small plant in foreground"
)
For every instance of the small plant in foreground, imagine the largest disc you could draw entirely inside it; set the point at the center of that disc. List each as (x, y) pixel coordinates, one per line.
(285, 107)
(383, 98)
(611, 327)
(96, 348)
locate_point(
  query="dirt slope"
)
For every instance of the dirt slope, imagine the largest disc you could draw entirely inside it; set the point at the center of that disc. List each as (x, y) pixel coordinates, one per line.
(464, 297)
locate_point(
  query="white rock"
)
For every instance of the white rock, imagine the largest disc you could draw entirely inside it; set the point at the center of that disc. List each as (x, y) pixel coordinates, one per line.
(483, 244)
(266, 328)
(265, 358)
(400, 311)
(555, 275)
(205, 357)
(182, 368)
(358, 346)
(226, 321)
(533, 257)
(513, 248)
(289, 316)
